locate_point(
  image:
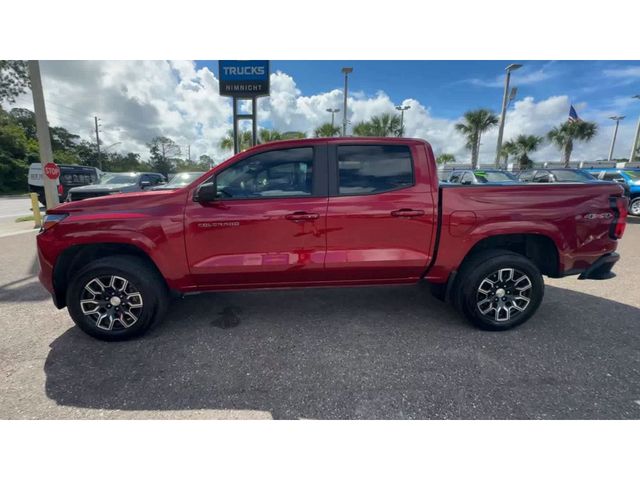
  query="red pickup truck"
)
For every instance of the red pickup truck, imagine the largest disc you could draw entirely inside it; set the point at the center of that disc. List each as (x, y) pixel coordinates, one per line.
(326, 212)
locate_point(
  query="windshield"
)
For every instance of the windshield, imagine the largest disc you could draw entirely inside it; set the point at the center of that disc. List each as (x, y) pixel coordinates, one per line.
(572, 176)
(494, 177)
(182, 179)
(119, 178)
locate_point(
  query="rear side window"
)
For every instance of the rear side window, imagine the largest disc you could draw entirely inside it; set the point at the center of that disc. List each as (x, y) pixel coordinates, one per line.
(369, 169)
(526, 176)
(613, 176)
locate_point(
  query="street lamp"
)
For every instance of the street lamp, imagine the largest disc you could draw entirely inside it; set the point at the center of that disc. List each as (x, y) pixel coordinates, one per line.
(505, 101)
(402, 108)
(617, 119)
(636, 138)
(333, 112)
(346, 71)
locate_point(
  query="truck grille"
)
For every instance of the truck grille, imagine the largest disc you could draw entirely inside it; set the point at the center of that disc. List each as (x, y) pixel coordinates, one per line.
(73, 196)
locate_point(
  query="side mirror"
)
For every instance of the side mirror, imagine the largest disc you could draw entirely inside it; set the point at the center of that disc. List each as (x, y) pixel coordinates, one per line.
(145, 184)
(206, 192)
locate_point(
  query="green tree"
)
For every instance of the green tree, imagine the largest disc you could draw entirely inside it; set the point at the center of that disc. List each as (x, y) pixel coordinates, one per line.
(14, 147)
(445, 158)
(27, 119)
(163, 155)
(521, 147)
(14, 79)
(385, 125)
(567, 133)
(475, 123)
(265, 135)
(245, 140)
(327, 130)
(293, 135)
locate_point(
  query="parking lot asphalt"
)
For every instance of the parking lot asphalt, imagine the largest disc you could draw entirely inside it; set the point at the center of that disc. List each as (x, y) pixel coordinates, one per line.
(351, 353)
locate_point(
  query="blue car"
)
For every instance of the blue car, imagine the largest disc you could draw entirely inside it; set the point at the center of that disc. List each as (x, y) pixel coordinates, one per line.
(626, 176)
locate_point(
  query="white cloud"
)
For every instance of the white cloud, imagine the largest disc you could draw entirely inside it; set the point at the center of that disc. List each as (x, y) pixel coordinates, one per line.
(139, 100)
(523, 78)
(625, 72)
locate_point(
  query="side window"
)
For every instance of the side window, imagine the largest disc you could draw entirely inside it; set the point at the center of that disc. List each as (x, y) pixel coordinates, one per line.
(369, 169)
(526, 176)
(455, 177)
(155, 179)
(542, 177)
(613, 177)
(277, 173)
(467, 178)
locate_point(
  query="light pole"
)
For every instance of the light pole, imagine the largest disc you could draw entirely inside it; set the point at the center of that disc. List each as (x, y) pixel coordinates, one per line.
(402, 108)
(505, 100)
(333, 112)
(346, 71)
(636, 137)
(617, 119)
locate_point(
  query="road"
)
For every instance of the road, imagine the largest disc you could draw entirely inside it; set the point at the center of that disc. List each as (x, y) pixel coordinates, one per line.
(352, 353)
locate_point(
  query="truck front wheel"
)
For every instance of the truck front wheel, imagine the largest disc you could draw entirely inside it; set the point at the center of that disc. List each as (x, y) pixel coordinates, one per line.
(116, 297)
(634, 207)
(499, 289)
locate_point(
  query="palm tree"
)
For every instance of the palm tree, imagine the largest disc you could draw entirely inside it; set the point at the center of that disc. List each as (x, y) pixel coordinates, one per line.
(385, 125)
(521, 147)
(327, 130)
(564, 136)
(476, 122)
(266, 135)
(445, 158)
(362, 129)
(293, 135)
(245, 140)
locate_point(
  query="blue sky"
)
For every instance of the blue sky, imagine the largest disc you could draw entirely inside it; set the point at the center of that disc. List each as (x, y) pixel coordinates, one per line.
(450, 88)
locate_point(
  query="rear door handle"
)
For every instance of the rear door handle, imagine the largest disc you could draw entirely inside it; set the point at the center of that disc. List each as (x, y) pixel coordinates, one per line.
(407, 212)
(302, 216)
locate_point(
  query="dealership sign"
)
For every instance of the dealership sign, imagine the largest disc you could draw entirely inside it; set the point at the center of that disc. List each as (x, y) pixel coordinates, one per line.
(244, 78)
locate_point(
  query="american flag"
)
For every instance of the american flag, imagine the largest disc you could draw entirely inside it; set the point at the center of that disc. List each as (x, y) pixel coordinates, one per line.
(573, 115)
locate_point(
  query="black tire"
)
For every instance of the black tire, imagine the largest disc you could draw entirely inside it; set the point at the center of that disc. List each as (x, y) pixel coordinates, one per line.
(477, 274)
(141, 279)
(633, 205)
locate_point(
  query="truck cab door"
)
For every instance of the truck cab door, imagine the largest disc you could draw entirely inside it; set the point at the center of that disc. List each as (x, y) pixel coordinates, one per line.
(381, 217)
(267, 227)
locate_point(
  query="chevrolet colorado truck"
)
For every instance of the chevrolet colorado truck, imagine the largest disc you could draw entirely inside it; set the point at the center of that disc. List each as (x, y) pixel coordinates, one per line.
(326, 212)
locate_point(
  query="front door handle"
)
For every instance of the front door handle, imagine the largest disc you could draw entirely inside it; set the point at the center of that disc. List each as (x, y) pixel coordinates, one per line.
(407, 212)
(301, 216)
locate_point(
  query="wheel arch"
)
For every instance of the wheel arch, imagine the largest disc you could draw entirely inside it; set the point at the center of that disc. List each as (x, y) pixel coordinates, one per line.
(539, 248)
(75, 257)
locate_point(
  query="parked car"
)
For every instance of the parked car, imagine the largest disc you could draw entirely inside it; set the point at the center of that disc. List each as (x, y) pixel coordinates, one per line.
(70, 176)
(553, 175)
(326, 212)
(629, 178)
(179, 180)
(472, 177)
(111, 183)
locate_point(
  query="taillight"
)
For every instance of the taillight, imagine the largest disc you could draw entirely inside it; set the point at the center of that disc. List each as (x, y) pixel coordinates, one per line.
(60, 189)
(619, 205)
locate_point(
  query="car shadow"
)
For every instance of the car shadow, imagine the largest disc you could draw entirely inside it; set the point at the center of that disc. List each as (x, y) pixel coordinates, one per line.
(351, 353)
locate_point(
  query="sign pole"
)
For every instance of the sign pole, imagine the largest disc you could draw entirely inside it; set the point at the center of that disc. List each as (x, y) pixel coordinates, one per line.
(254, 120)
(236, 146)
(42, 132)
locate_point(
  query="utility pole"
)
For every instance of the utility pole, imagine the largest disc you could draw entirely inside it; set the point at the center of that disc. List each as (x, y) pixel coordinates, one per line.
(617, 119)
(333, 112)
(98, 143)
(402, 108)
(346, 71)
(42, 132)
(636, 137)
(505, 100)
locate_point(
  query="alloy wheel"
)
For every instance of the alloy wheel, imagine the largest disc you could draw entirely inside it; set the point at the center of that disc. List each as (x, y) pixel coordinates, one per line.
(504, 294)
(111, 302)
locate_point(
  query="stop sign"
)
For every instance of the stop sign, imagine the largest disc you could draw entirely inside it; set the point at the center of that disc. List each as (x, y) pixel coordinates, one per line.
(52, 170)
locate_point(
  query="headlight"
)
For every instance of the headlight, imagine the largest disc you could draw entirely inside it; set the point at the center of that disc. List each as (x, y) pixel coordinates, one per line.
(52, 219)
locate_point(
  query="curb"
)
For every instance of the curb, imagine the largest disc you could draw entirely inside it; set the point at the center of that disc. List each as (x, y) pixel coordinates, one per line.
(19, 232)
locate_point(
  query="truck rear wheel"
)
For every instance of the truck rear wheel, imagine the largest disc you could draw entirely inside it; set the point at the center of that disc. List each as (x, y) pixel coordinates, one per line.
(116, 298)
(634, 207)
(499, 289)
